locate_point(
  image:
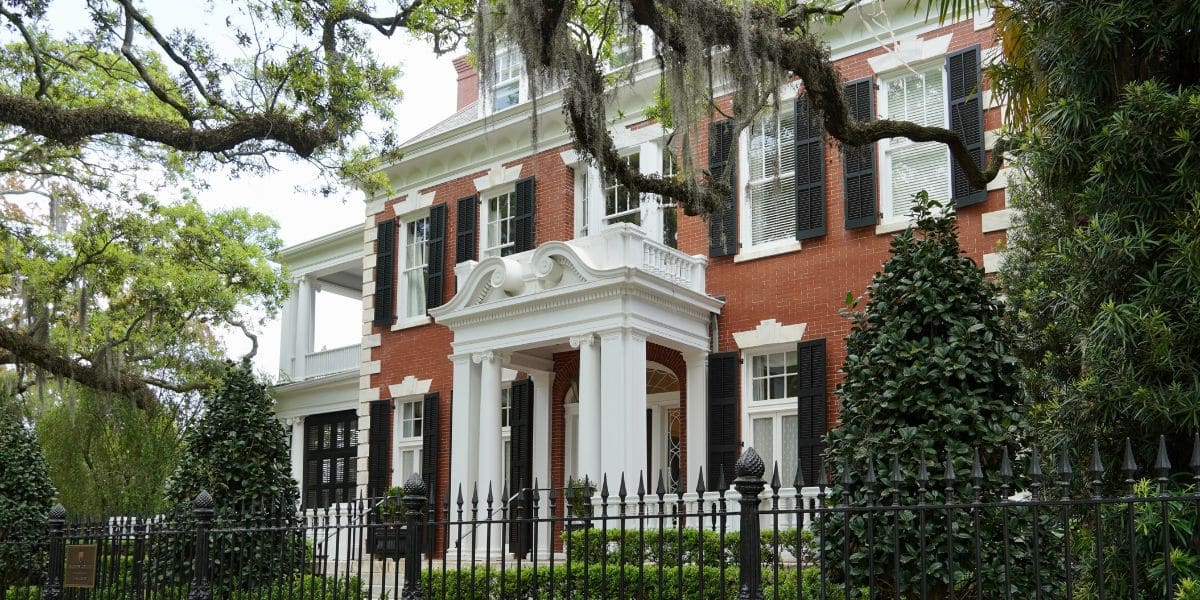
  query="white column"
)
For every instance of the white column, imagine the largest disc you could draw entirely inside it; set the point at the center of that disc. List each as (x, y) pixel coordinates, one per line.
(623, 415)
(297, 451)
(697, 416)
(304, 326)
(491, 449)
(287, 334)
(590, 425)
(541, 451)
(464, 427)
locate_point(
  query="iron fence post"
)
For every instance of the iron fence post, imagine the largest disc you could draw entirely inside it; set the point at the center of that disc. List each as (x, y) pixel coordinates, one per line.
(54, 578)
(414, 501)
(139, 556)
(202, 510)
(749, 483)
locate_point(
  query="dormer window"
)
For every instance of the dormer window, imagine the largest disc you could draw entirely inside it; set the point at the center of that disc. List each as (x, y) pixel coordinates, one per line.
(506, 79)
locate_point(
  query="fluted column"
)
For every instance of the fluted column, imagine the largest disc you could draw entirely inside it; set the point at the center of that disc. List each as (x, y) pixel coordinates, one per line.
(590, 426)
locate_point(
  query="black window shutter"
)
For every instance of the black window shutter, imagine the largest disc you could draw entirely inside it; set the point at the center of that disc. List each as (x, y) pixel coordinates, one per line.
(385, 273)
(810, 170)
(811, 404)
(858, 162)
(966, 119)
(523, 223)
(723, 372)
(435, 266)
(723, 226)
(430, 445)
(520, 474)
(467, 221)
(379, 445)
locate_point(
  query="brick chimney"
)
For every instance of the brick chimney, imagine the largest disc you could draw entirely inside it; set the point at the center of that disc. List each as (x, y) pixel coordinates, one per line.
(468, 82)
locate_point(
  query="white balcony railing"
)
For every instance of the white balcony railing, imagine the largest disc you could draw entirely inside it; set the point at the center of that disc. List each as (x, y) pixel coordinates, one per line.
(328, 362)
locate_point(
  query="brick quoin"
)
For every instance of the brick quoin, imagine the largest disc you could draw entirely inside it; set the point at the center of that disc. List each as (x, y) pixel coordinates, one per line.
(806, 286)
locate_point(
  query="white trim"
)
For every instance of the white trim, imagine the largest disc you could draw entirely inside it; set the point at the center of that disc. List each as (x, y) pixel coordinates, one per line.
(999, 220)
(769, 332)
(410, 386)
(910, 50)
(409, 323)
(412, 202)
(894, 227)
(993, 262)
(497, 176)
(764, 250)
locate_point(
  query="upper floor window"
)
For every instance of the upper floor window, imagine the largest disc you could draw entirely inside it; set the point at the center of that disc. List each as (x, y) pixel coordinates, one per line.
(626, 50)
(604, 201)
(499, 232)
(413, 268)
(621, 204)
(909, 167)
(771, 181)
(506, 79)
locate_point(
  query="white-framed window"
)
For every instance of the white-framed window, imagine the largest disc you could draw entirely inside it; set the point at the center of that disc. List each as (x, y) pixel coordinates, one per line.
(769, 204)
(409, 424)
(621, 204)
(507, 72)
(414, 240)
(917, 95)
(770, 419)
(499, 228)
(506, 433)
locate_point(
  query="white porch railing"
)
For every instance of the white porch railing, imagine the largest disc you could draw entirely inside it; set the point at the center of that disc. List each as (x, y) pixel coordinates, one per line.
(327, 362)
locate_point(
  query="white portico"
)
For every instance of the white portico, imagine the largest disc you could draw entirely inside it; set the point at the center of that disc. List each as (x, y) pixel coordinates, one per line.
(606, 295)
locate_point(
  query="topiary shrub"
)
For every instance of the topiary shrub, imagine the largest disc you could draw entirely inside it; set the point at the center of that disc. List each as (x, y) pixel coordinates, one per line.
(25, 498)
(928, 377)
(238, 452)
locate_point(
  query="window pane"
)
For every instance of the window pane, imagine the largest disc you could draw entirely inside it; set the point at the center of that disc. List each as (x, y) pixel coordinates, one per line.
(790, 449)
(925, 166)
(763, 441)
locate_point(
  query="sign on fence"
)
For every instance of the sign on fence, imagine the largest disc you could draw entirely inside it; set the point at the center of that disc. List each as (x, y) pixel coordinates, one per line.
(81, 566)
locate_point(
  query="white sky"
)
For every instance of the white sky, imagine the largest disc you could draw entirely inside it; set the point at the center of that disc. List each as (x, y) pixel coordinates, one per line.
(428, 83)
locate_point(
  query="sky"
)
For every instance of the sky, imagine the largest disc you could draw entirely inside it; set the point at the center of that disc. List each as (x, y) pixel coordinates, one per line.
(428, 84)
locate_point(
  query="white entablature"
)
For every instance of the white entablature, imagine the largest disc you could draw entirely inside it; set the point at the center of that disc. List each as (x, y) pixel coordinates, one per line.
(618, 278)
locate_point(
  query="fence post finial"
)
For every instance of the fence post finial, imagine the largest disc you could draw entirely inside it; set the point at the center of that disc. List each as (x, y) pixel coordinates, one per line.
(54, 578)
(414, 500)
(749, 483)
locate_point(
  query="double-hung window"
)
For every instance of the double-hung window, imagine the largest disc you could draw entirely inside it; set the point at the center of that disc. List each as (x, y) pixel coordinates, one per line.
(414, 266)
(499, 237)
(409, 422)
(506, 79)
(771, 410)
(910, 167)
(621, 204)
(771, 181)
(506, 432)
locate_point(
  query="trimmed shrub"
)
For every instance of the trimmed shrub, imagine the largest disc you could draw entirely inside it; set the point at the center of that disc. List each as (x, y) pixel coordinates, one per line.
(653, 546)
(25, 498)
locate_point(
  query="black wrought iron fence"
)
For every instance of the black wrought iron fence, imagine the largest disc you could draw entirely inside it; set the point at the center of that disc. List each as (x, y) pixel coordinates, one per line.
(993, 526)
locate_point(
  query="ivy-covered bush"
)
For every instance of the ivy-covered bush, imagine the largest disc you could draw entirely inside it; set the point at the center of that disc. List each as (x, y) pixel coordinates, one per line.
(237, 452)
(25, 498)
(928, 377)
(625, 581)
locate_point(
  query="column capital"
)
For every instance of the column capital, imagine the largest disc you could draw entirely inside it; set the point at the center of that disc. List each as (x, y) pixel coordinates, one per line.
(694, 355)
(586, 339)
(292, 421)
(489, 356)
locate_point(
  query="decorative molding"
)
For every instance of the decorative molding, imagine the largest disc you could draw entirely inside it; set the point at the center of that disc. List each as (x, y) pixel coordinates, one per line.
(769, 332)
(410, 386)
(497, 176)
(908, 51)
(412, 202)
(586, 339)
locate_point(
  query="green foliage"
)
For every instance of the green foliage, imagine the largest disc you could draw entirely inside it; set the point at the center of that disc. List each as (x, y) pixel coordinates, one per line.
(238, 453)
(639, 582)
(25, 497)
(314, 587)
(928, 377)
(1103, 270)
(106, 456)
(593, 546)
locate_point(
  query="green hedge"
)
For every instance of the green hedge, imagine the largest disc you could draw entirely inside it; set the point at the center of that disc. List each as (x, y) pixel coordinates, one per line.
(595, 546)
(624, 581)
(310, 587)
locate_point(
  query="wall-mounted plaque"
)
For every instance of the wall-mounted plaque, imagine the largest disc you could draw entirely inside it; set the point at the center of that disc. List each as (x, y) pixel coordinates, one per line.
(81, 566)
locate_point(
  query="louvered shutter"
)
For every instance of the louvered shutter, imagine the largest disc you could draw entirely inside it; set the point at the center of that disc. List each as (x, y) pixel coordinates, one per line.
(378, 446)
(435, 265)
(811, 404)
(966, 119)
(810, 170)
(385, 273)
(520, 476)
(523, 222)
(467, 222)
(858, 162)
(723, 226)
(430, 446)
(723, 371)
